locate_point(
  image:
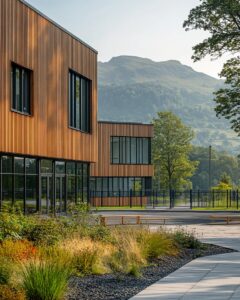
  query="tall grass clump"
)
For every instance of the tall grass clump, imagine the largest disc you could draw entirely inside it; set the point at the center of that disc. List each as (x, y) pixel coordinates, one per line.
(5, 271)
(186, 239)
(45, 280)
(87, 256)
(156, 244)
(127, 257)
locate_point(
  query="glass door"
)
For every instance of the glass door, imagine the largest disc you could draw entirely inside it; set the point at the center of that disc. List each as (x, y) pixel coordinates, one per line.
(60, 194)
(46, 194)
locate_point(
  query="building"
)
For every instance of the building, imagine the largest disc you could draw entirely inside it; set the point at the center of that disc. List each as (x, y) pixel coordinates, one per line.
(48, 111)
(123, 173)
(48, 118)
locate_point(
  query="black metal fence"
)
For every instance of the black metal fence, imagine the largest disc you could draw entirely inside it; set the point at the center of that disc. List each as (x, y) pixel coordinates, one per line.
(191, 199)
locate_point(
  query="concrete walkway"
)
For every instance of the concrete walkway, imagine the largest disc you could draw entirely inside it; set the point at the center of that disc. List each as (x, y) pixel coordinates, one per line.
(209, 278)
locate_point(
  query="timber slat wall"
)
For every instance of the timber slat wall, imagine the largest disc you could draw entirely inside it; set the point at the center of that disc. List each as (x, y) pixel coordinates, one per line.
(32, 41)
(104, 167)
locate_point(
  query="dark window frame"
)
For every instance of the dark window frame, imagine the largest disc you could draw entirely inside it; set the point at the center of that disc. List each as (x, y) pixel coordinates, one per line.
(28, 113)
(139, 151)
(72, 118)
(37, 174)
(98, 191)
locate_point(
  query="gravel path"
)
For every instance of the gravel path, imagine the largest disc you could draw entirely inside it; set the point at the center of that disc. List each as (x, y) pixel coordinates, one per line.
(111, 287)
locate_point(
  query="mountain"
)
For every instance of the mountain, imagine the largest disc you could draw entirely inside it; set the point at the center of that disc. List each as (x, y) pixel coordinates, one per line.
(134, 89)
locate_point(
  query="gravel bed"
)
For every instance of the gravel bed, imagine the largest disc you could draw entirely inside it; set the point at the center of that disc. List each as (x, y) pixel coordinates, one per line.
(113, 287)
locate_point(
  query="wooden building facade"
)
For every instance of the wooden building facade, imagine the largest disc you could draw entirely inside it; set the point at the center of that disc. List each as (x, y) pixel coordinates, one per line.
(48, 110)
(123, 173)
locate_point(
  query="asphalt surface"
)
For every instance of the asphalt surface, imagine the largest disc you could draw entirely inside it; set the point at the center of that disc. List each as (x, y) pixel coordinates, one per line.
(173, 217)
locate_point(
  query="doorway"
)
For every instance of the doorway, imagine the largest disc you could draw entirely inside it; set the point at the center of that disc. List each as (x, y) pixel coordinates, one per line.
(46, 194)
(61, 194)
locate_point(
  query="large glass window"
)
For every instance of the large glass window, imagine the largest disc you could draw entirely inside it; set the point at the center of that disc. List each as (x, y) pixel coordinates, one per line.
(21, 93)
(29, 183)
(130, 150)
(79, 102)
(115, 186)
(46, 166)
(115, 153)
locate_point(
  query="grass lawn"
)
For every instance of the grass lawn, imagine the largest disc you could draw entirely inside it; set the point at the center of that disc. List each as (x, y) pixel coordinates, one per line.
(216, 208)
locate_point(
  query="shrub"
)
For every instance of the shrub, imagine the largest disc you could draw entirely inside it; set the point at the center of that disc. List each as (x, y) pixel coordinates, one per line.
(45, 231)
(87, 257)
(5, 272)
(10, 293)
(186, 239)
(17, 250)
(85, 260)
(127, 257)
(99, 233)
(45, 280)
(12, 225)
(157, 244)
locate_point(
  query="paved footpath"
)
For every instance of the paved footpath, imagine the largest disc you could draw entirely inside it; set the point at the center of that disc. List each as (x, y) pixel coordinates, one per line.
(214, 277)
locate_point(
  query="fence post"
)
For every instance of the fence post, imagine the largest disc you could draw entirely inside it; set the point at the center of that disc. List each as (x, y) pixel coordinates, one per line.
(173, 198)
(101, 198)
(213, 198)
(131, 198)
(191, 199)
(227, 198)
(119, 199)
(198, 198)
(141, 202)
(230, 198)
(152, 196)
(171, 195)
(237, 199)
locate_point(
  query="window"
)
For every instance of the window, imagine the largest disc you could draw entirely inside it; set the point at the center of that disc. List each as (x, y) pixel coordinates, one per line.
(21, 91)
(120, 186)
(115, 150)
(79, 102)
(130, 150)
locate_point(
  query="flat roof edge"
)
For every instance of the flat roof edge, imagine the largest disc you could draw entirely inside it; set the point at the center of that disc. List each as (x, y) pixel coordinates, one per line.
(57, 25)
(129, 123)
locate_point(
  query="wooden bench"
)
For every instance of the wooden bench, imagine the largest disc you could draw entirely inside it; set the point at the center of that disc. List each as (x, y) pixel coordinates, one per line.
(131, 220)
(226, 218)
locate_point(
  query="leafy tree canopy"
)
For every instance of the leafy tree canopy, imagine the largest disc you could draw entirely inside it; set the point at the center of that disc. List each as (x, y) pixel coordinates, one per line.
(221, 18)
(225, 168)
(171, 148)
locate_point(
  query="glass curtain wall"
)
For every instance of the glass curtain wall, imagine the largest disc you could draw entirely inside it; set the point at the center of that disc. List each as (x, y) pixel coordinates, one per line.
(115, 186)
(48, 186)
(130, 150)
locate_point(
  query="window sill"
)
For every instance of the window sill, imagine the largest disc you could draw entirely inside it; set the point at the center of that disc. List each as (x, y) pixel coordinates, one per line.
(21, 113)
(79, 130)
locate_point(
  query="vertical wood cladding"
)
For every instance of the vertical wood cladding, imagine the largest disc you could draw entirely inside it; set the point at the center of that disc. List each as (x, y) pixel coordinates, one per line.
(32, 41)
(104, 167)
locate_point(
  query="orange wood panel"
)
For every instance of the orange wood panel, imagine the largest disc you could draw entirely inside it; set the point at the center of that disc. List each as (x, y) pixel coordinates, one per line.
(31, 40)
(104, 167)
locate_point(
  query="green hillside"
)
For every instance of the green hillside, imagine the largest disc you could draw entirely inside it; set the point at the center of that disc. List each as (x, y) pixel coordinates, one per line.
(134, 89)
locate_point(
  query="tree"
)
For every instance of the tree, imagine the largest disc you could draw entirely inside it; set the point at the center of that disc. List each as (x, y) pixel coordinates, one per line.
(224, 183)
(221, 18)
(222, 163)
(225, 178)
(171, 148)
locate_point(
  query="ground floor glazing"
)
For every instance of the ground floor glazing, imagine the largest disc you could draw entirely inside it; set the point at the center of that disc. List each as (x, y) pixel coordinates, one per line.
(45, 185)
(120, 186)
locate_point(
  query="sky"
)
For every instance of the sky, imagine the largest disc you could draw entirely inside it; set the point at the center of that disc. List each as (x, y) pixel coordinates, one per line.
(145, 28)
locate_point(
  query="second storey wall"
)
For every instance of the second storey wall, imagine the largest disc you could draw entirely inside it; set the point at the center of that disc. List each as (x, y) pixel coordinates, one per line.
(33, 42)
(104, 168)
